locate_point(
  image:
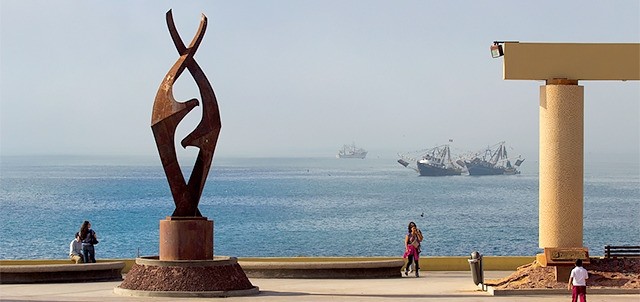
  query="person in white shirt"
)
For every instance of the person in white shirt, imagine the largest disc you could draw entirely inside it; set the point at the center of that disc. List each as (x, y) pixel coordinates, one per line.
(75, 250)
(578, 282)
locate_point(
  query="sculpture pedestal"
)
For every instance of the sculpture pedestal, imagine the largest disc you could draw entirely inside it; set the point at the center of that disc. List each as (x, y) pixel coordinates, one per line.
(186, 266)
(216, 277)
(186, 238)
(563, 260)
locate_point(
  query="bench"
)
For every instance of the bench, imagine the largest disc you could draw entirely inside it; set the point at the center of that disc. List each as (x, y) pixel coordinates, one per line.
(323, 268)
(61, 273)
(622, 251)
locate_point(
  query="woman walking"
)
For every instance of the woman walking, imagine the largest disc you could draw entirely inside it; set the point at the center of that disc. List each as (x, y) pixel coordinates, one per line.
(412, 247)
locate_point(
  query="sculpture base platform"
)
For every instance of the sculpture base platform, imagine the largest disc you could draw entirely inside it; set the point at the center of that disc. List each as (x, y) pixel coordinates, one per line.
(563, 259)
(218, 277)
(186, 238)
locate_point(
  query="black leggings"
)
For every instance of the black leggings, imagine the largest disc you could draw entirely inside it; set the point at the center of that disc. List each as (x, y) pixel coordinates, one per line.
(410, 260)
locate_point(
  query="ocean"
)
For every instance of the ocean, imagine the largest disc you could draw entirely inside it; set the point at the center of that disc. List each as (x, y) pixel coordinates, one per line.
(271, 207)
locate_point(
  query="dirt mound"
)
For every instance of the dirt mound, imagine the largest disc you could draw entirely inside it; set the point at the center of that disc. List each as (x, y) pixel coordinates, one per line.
(603, 273)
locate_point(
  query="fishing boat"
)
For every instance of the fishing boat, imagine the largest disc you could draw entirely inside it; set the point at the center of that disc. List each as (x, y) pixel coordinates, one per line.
(351, 151)
(493, 161)
(433, 162)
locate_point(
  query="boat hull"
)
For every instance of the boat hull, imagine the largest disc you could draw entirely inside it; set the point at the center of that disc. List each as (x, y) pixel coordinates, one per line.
(493, 162)
(482, 170)
(358, 155)
(429, 170)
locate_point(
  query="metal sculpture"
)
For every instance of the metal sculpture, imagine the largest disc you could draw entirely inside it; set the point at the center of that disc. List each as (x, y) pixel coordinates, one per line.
(167, 114)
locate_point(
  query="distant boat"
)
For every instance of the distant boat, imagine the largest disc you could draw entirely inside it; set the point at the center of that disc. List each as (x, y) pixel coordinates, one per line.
(351, 151)
(433, 162)
(493, 161)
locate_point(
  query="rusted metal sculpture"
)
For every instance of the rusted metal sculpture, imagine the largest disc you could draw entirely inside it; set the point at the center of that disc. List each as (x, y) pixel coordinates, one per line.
(186, 263)
(167, 114)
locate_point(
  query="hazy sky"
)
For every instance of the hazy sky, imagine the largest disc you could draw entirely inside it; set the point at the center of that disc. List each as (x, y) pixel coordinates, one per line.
(301, 78)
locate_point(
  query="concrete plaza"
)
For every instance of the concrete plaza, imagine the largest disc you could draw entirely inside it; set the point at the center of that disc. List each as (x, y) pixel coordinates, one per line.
(438, 285)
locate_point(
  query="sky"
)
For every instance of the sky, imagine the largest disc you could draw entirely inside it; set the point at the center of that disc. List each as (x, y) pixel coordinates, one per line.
(301, 78)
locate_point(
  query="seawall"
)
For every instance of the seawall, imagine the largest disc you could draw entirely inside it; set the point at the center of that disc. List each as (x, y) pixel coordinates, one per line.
(435, 263)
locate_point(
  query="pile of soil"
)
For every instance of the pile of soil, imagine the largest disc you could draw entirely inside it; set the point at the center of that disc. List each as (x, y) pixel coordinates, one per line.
(174, 278)
(603, 273)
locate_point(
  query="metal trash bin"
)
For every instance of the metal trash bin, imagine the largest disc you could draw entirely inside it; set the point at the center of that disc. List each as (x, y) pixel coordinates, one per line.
(476, 267)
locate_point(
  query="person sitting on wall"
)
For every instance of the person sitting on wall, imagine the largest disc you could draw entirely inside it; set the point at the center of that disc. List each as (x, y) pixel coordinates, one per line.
(75, 250)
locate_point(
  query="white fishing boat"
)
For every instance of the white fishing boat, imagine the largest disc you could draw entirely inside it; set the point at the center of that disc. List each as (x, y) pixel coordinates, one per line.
(351, 151)
(432, 162)
(493, 161)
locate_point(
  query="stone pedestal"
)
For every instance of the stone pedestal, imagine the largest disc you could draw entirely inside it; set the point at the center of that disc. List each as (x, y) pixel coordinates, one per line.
(186, 266)
(216, 277)
(186, 238)
(563, 260)
(562, 273)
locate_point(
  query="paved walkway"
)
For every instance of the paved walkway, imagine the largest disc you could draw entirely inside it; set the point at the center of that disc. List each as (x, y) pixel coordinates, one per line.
(443, 286)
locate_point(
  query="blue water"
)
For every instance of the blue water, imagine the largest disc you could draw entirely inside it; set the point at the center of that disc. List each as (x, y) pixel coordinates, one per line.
(299, 207)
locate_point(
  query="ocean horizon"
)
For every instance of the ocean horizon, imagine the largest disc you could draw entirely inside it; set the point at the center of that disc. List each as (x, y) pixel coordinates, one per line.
(287, 207)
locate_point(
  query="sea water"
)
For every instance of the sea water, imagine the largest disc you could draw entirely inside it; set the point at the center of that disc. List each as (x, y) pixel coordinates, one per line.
(269, 207)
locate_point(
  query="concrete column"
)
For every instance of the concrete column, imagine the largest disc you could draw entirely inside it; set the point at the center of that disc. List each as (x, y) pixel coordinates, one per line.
(561, 164)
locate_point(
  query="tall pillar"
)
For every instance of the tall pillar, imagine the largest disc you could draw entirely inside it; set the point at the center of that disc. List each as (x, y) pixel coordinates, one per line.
(561, 164)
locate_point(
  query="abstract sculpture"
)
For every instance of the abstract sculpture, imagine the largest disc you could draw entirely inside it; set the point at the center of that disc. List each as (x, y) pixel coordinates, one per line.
(167, 114)
(186, 263)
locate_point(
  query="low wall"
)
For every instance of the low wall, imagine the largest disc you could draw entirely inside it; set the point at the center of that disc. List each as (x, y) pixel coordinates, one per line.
(58, 273)
(128, 263)
(429, 263)
(489, 263)
(322, 268)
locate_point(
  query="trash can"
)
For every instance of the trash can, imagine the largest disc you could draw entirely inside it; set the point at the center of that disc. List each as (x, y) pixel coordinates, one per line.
(476, 267)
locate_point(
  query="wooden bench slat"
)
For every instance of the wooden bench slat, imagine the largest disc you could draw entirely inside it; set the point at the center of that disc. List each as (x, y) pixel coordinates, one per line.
(624, 255)
(621, 251)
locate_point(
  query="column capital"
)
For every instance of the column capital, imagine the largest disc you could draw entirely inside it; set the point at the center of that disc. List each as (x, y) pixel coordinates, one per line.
(561, 82)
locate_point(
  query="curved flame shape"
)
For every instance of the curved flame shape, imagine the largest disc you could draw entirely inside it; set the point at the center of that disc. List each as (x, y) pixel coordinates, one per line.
(167, 114)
